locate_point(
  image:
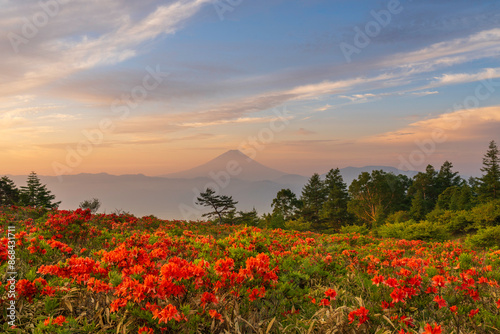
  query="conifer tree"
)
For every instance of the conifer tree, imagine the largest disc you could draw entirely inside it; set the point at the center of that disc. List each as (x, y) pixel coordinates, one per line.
(36, 194)
(489, 183)
(334, 209)
(9, 194)
(313, 197)
(221, 205)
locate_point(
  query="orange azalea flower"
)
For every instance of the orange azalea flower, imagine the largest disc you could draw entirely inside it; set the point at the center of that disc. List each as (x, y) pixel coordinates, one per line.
(168, 313)
(59, 320)
(324, 302)
(472, 313)
(438, 281)
(216, 315)
(440, 301)
(378, 279)
(361, 314)
(331, 293)
(429, 329)
(145, 330)
(453, 309)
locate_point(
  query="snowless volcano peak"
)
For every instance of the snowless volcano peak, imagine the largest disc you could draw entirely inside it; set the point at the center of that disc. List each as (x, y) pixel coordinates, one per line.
(237, 163)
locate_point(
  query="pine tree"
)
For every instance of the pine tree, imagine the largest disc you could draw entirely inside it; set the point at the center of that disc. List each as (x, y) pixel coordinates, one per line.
(447, 178)
(221, 205)
(313, 197)
(93, 205)
(489, 183)
(418, 206)
(334, 209)
(36, 194)
(9, 194)
(427, 184)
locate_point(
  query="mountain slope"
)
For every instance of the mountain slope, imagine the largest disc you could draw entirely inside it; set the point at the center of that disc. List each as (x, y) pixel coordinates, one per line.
(233, 163)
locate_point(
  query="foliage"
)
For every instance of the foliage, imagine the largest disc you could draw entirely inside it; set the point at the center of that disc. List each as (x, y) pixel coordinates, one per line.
(221, 205)
(285, 204)
(9, 194)
(355, 229)
(411, 230)
(374, 196)
(334, 209)
(93, 205)
(485, 237)
(36, 194)
(313, 197)
(489, 183)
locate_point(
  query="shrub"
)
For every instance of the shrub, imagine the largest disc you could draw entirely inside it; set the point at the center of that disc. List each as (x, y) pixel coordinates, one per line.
(484, 215)
(394, 230)
(486, 237)
(358, 229)
(411, 230)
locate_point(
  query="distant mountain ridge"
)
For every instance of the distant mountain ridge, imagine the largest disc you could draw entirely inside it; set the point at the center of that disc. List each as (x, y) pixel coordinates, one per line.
(235, 163)
(251, 183)
(251, 170)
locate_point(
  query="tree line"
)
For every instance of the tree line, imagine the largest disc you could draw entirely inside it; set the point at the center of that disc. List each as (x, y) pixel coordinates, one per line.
(373, 199)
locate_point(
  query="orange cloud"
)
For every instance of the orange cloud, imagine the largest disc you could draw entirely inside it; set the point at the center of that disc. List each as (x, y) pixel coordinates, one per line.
(455, 126)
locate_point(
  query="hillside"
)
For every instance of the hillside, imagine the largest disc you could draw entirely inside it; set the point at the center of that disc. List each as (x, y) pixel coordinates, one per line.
(84, 273)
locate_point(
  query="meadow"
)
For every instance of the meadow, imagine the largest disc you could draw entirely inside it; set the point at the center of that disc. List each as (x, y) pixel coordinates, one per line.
(77, 272)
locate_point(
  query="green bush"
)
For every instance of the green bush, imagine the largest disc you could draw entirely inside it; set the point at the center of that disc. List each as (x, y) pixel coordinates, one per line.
(486, 237)
(398, 217)
(426, 230)
(411, 230)
(358, 229)
(484, 215)
(394, 230)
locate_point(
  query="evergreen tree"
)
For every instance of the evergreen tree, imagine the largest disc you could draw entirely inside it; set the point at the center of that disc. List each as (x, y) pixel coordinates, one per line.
(489, 183)
(36, 194)
(9, 194)
(447, 178)
(447, 200)
(418, 206)
(334, 209)
(250, 218)
(313, 197)
(221, 205)
(285, 204)
(94, 204)
(427, 185)
(463, 200)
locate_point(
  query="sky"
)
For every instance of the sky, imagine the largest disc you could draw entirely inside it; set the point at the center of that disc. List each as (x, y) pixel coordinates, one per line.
(154, 87)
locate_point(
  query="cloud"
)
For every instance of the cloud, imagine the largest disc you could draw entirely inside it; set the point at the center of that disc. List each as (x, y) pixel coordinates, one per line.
(425, 93)
(304, 132)
(457, 126)
(480, 45)
(450, 79)
(53, 59)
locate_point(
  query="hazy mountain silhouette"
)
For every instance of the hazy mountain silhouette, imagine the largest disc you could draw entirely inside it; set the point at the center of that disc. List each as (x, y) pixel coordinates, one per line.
(235, 163)
(173, 196)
